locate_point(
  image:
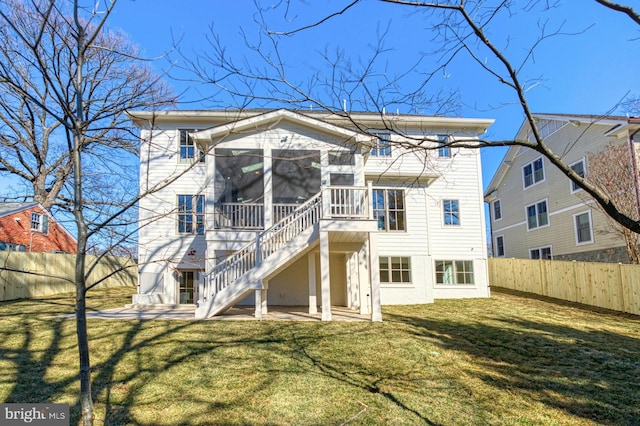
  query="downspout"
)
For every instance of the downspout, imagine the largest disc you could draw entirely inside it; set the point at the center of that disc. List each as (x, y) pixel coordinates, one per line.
(493, 249)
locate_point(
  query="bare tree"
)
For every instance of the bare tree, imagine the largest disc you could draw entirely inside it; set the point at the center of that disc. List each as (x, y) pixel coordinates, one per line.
(614, 171)
(66, 83)
(459, 28)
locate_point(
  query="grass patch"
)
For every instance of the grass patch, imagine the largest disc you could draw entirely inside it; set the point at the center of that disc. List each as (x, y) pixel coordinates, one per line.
(506, 360)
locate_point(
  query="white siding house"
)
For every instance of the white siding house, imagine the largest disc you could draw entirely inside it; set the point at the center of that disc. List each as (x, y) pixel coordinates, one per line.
(279, 207)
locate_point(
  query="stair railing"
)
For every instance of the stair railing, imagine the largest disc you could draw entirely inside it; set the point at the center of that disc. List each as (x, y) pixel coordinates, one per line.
(264, 245)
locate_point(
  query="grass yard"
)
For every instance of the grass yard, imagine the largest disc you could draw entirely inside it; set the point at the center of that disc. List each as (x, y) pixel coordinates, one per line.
(506, 360)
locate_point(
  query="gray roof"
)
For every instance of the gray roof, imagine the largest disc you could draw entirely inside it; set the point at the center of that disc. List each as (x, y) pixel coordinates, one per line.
(9, 208)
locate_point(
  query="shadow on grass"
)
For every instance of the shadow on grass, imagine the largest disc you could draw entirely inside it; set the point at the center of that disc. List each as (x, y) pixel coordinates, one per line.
(147, 336)
(343, 372)
(30, 370)
(589, 373)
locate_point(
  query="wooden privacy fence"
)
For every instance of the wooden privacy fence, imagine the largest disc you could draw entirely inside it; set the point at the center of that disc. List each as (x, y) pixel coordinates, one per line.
(49, 273)
(606, 285)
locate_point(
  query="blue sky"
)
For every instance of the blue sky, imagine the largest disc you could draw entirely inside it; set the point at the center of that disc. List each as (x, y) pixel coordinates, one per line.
(586, 73)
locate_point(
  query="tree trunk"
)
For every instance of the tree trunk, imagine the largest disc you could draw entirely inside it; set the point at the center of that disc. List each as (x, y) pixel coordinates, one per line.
(86, 401)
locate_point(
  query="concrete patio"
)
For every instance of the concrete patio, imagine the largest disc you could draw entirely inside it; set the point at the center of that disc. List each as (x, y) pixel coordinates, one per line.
(187, 312)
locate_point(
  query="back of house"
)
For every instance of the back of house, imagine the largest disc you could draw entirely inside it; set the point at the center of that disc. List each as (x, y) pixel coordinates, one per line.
(280, 207)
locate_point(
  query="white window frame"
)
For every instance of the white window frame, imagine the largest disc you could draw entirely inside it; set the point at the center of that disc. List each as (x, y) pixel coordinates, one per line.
(575, 228)
(534, 182)
(387, 211)
(196, 149)
(539, 249)
(493, 207)
(573, 188)
(382, 145)
(402, 271)
(458, 213)
(195, 215)
(504, 251)
(454, 272)
(537, 216)
(444, 151)
(41, 221)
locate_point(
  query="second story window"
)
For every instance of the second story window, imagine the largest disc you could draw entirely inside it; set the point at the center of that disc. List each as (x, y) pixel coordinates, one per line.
(388, 209)
(497, 210)
(188, 150)
(537, 215)
(533, 173)
(191, 214)
(443, 150)
(451, 210)
(39, 222)
(579, 168)
(382, 147)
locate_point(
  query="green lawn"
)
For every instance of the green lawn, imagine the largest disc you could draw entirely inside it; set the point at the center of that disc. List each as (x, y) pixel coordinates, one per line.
(505, 360)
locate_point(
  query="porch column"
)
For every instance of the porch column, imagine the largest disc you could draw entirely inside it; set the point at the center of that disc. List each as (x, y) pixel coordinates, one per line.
(263, 296)
(325, 276)
(313, 302)
(374, 267)
(268, 190)
(363, 275)
(258, 297)
(354, 282)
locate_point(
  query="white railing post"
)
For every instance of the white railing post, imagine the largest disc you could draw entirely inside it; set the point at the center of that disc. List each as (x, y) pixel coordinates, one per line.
(326, 202)
(258, 250)
(369, 200)
(201, 289)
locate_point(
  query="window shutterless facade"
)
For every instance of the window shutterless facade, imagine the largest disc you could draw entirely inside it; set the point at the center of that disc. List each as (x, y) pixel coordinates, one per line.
(451, 212)
(382, 147)
(533, 172)
(191, 214)
(395, 269)
(389, 209)
(499, 246)
(582, 224)
(443, 150)
(580, 168)
(454, 272)
(497, 210)
(537, 215)
(187, 147)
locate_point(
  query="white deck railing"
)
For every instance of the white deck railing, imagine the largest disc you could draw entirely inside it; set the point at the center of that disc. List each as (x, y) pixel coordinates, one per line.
(239, 215)
(345, 202)
(280, 211)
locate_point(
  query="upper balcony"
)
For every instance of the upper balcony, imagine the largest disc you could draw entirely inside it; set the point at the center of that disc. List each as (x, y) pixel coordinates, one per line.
(338, 203)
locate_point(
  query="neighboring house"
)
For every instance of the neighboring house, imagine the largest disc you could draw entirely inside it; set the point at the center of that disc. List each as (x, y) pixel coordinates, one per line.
(536, 212)
(301, 208)
(29, 227)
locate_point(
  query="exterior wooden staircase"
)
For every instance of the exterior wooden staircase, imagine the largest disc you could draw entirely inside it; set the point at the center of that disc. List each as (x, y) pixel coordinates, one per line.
(243, 272)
